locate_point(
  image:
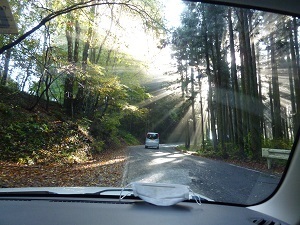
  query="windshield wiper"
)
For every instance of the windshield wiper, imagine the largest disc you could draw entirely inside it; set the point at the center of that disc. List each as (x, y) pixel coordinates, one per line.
(110, 190)
(128, 194)
(17, 193)
(195, 198)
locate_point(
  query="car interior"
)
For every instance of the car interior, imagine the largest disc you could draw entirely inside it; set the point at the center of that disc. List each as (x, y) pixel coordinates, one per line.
(281, 207)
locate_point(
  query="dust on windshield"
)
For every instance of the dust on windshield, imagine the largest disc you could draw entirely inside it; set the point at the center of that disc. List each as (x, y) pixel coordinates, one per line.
(83, 83)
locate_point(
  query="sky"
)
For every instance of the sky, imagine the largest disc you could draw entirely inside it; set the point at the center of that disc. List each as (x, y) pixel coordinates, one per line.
(144, 47)
(163, 62)
(173, 11)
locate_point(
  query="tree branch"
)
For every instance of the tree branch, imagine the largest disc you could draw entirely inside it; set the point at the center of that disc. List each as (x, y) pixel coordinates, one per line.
(140, 11)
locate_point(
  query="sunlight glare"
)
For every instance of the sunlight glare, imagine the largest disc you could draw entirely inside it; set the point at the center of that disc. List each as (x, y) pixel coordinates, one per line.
(158, 161)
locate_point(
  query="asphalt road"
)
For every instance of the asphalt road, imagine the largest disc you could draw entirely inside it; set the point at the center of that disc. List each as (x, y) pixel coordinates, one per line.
(214, 179)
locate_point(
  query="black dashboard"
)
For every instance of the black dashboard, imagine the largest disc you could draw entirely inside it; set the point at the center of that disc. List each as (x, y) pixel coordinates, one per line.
(79, 211)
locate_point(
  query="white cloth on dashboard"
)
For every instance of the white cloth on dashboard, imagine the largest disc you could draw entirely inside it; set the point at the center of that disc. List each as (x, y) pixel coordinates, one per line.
(160, 194)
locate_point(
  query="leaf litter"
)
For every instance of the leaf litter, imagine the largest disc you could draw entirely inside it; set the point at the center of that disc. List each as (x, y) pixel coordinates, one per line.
(104, 169)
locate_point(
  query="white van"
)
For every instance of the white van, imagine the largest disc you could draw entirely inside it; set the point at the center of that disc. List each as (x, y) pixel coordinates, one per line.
(152, 140)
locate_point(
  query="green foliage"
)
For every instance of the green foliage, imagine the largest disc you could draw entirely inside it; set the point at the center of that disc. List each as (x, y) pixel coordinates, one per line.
(208, 146)
(21, 137)
(277, 143)
(108, 89)
(137, 94)
(98, 146)
(211, 153)
(129, 138)
(105, 129)
(42, 144)
(5, 110)
(232, 151)
(133, 121)
(31, 138)
(247, 146)
(208, 150)
(12, 85)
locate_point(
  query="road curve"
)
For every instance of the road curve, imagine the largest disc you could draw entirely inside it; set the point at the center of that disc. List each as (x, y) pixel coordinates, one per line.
(214, 179)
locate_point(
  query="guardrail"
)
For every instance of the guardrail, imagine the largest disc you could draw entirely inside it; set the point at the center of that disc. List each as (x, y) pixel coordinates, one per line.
(275, 154)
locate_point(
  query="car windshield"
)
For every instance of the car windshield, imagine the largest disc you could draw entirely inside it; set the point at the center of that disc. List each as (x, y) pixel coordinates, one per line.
(83, 82)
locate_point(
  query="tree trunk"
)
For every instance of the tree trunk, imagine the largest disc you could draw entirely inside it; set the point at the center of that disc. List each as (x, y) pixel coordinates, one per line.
(6, 66)
(69, 81)
(210, 95)
(292, 90)
(271, 109)
(219, 94)
(255, 100)
(276, 94)
(260, 95)
(296, 75)
(85, 54)
(77, 39)
(244, 102)
(237, 123)
(193, 96)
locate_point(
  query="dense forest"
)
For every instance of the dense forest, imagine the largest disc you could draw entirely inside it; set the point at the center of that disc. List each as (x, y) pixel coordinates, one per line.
(248, 63)
(73, 60)
(237, 71)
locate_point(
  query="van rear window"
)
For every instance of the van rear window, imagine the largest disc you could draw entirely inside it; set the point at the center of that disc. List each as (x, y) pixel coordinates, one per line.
(152, 136)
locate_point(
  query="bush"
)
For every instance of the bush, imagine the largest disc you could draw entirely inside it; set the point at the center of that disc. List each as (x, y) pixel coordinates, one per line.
(129, 138)
(5, 110)
(277, 143)
(98, 146)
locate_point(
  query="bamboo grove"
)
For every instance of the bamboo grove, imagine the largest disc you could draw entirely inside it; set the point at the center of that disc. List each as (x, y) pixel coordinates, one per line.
(250, 62)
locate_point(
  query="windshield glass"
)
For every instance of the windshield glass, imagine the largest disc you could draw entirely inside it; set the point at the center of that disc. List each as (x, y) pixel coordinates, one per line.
(83, 83)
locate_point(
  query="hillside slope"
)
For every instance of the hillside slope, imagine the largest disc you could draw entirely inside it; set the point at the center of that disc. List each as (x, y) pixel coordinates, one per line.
(46, 148)
(39, 136)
